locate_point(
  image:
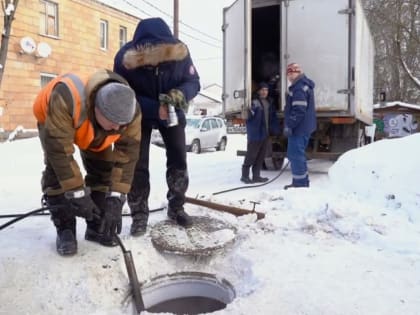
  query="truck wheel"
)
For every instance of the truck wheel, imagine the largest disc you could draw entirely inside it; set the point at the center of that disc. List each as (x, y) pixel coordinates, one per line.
(195, 146)
(273, 163)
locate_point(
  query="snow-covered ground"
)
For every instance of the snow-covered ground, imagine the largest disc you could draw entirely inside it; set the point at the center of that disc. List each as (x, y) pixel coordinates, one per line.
(348, 245)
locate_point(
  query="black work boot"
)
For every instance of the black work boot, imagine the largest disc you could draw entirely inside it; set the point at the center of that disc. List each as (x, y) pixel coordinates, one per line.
(93, 234)
(286, 187)
(139, 224)
(180, 216)
(139, 209)
(65, 223)
(300, 183)
(66, 242)
(259, 179)
(293, 185)
(245, 175)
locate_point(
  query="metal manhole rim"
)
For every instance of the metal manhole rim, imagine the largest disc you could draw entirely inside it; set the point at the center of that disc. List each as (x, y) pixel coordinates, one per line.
(172, 286)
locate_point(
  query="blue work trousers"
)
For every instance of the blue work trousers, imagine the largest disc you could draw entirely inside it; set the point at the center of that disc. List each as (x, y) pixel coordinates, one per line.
(296, 148)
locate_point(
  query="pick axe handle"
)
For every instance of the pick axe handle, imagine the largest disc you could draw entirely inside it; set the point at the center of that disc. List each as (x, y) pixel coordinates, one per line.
(224, 208)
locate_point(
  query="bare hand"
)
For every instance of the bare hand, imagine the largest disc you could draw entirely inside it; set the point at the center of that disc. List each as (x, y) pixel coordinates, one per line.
(163, 112)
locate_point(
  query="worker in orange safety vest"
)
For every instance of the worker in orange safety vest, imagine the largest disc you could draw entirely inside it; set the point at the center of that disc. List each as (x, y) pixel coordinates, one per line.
(102, 117)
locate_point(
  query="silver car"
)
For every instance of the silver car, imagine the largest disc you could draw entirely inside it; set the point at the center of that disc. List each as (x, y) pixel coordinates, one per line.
(204, 133)
(201, 132)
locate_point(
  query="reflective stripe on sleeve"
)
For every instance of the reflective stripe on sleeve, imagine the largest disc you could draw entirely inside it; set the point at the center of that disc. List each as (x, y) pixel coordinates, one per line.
(301, 103)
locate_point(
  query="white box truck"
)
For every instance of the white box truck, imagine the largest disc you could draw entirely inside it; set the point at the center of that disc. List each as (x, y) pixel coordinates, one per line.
(332, 42)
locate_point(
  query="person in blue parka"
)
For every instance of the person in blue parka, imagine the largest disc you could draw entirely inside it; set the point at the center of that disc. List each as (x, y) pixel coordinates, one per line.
(158, 67)
(262, 122)
(299, 122)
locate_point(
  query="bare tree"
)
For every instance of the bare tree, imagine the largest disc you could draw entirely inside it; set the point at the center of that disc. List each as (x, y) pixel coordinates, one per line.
(9, 9)
(395, 26)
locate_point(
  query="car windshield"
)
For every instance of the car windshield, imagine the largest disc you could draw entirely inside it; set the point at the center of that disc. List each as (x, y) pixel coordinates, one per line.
(193, 122)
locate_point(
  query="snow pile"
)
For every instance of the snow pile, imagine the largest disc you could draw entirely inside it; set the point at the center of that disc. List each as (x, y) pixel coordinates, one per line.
(348, 245)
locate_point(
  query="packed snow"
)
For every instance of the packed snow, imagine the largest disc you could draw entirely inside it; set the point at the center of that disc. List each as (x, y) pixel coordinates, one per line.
(349, 244)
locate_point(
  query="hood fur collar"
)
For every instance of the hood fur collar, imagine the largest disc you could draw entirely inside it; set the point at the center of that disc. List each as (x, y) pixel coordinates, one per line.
(152, 55)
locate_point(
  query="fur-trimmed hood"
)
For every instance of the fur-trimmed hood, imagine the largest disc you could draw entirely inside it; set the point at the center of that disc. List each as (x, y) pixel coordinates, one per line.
(155, 62)
(153, 43)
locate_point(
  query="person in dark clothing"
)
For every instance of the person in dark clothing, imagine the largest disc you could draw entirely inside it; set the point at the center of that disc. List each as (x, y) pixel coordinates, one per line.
(261, 123)
(300, 123)
(160, 70)
(101, 116)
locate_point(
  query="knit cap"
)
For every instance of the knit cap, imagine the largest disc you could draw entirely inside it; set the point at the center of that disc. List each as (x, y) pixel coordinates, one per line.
(293, 67)
(263, 85)
(117, 102)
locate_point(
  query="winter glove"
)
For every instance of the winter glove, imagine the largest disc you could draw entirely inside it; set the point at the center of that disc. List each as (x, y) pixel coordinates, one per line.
(174, 97)
(112, 221)
(287, 132)
(81, 204)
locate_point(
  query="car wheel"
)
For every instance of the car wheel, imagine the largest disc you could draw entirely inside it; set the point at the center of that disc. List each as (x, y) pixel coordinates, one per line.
(195, 146)
(222, 145)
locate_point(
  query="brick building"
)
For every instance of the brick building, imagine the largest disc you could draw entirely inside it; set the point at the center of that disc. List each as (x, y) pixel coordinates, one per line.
(82, 35)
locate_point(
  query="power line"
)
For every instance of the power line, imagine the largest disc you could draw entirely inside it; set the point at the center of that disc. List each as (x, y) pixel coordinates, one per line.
(133, 6)
(184, 33)
(181, 22)
(200, 40)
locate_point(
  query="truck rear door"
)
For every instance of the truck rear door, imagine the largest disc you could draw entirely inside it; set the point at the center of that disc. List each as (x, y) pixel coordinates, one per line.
(364, 67)
(317, 36)
(236, 57)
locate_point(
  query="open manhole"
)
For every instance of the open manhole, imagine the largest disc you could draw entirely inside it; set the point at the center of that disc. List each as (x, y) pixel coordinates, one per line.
(203, 238)
(187, 293)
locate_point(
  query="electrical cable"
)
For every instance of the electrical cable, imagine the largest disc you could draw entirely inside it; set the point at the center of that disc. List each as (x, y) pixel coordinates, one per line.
(253, 186)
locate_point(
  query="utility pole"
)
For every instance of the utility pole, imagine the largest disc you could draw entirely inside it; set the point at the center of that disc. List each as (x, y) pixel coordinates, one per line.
(176, 18)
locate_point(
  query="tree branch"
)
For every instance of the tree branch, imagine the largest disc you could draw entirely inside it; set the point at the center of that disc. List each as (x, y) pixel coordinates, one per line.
(415, 80)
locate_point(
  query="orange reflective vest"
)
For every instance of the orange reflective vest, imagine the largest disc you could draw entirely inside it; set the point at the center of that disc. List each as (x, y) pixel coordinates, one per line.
(85, 133)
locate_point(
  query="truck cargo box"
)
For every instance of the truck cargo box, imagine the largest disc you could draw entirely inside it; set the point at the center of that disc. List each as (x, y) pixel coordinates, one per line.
(332, 42)
(329, 39)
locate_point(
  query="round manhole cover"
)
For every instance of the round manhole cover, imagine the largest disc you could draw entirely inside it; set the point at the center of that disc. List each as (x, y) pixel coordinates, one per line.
(205, 236)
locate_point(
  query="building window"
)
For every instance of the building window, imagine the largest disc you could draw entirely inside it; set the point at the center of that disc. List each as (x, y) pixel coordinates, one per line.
(123, 36)
(46, 77)
(103, 34)
(48, 18)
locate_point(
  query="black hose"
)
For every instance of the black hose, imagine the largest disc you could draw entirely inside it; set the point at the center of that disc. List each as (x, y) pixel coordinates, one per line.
(253, 186)
(15, 215)
(24, 215)
(19, 217)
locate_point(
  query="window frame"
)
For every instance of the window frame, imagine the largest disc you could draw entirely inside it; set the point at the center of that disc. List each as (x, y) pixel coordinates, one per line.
(206, 124)
(46, 75)
(103, 34)
(123, 40)
(44, 28)
(213, 124)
